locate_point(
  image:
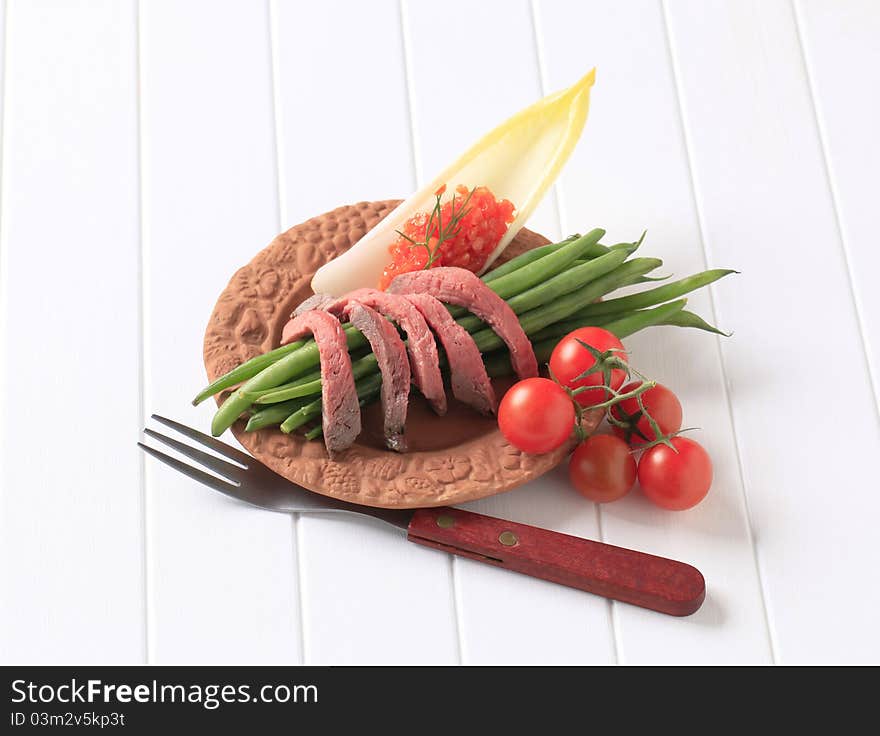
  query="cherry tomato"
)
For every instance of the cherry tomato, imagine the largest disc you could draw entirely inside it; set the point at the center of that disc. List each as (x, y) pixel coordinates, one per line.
(571, 359)
(663, 406)
(676, 481)
(602, 468)
(536, 415)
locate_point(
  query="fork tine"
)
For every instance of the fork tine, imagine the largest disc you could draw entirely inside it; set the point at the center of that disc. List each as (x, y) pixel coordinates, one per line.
(212, 462)
(200, 475)
(229, 452)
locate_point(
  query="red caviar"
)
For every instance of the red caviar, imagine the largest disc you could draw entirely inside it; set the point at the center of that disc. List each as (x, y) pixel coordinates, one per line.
(476, 235)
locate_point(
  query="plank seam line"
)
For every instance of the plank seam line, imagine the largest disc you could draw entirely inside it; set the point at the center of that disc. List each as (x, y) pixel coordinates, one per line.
(409, 80)
(274, 72)
(148, 586)
(562, 222)
(835, 204)
(537, 37)
(673, 60)
(3, 265)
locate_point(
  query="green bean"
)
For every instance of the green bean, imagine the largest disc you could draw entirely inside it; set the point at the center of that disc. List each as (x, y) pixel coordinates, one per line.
(657, 295)
(295, 383)
(585, 317)
(558, 330)
(600, 250)
(574, 301)
(245, 371)
(290, 366)
(314, 433)
(568, 281)
(605, 249)
(318, 430)
(639, 320)
(365, 388)
(361, 367)
(302, 416)
(563, 283)
(505, 271)
(271, 416)
(526, 258)
(689, 319)
(543, 341)
(544, 268)
(314, 375)
(563, 307)
(498, 364)
(594, 251)
(561, 329)
(650, 279)
(514, 264)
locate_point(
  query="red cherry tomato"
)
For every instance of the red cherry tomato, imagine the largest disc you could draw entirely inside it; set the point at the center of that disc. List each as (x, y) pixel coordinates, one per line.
(663, 406)
(676, 481)
(536, 415)
(602, 468)
(570, 359)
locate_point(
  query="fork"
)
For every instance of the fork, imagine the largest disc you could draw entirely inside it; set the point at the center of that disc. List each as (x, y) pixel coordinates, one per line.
(657, 583)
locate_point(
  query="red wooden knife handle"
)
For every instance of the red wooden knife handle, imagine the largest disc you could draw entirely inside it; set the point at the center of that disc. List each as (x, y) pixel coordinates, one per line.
(613, 572)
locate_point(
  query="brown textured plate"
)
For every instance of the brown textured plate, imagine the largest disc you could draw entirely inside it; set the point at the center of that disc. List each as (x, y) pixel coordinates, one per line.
(459, 457)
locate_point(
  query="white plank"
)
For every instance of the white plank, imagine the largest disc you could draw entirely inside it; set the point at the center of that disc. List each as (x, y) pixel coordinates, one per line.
(344, 136)
(222, 577)
(808, 446)
(630, 172)
(490, 72)
(71, 542)
(843, 63)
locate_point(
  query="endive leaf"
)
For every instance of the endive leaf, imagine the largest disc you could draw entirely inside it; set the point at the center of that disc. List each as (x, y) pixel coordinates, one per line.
(519, 160)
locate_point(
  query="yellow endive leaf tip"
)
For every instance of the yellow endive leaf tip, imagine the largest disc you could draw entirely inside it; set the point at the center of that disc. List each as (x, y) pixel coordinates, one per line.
(586, 81)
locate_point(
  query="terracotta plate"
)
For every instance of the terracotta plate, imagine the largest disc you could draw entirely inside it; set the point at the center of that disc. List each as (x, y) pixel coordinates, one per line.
(455, 458)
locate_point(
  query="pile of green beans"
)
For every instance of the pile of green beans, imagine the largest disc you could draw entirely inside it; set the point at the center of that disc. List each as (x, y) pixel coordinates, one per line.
(553, 289)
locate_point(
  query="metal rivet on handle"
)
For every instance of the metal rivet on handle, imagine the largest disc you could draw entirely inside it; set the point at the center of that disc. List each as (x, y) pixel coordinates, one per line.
(508, 539)
(445, 522)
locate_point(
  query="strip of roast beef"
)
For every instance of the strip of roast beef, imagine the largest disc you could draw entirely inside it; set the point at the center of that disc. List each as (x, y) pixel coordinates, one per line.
(390, 355)
(341, 413)
(470, 382)
(424, 359)
(465, 289)
(315, 301)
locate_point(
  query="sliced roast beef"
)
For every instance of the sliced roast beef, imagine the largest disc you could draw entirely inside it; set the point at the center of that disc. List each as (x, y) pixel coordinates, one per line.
(420, 345)
(315, 301)
(341, 414)
(390, 354)
(464, 288)
(470, 382)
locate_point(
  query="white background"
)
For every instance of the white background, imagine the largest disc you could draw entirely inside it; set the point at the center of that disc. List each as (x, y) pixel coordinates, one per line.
(149, 149)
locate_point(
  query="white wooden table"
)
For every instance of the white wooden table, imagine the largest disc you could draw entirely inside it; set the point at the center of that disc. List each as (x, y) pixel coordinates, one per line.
(149, 149)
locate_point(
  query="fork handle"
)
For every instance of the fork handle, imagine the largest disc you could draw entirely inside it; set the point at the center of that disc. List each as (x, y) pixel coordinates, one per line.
(633, 577)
